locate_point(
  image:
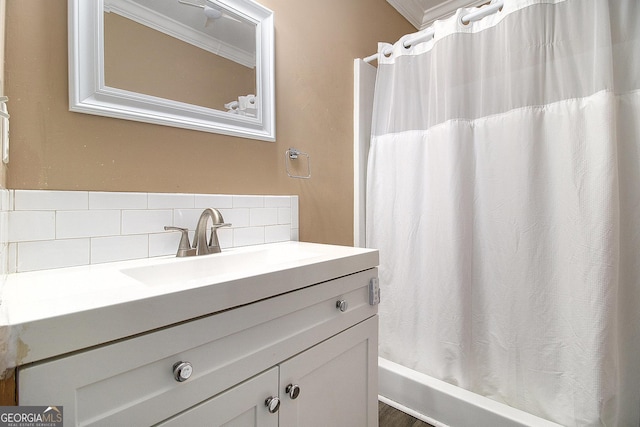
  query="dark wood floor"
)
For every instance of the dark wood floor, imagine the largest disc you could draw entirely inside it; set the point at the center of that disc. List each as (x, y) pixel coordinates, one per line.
(391, 417)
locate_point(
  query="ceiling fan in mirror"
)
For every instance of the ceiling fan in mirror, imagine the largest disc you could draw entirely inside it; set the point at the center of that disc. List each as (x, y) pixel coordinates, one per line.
(212, 14)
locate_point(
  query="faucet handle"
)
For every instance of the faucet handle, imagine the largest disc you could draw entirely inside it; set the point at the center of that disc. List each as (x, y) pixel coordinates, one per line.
(214, 243)
(184, 248)
(224, 224)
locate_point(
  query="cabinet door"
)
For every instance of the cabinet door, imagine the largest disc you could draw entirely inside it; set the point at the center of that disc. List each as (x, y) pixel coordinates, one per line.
(241, 406)
(337, 381)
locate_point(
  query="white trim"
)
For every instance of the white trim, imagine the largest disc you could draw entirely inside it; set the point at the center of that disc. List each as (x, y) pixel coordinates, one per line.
(446, 9)
(364, 78)
(414, 11)
(410, 9)
(89, 94)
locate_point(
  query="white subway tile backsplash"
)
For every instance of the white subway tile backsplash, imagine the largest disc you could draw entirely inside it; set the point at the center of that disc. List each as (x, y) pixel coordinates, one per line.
(277, 201)
(4, 258)
(171, 201)
(284, 215)
(88, 223)
(106, 200)
(12, 257)
(237, 217)
(119, 248)
(4, 229)
(263, 216)
(277, 233)
(248, 201)
(144, 222)
(36, 200)
(217, 201)
(165, 243)
(47, 254)
(52, 229)
(294, 212)
(248, 236)
(32, 225)
(5, 200)
(225, 237)
(186, 218)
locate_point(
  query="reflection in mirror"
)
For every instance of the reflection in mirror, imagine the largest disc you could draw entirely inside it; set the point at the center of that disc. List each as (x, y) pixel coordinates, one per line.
(179, 50)
(198, 64)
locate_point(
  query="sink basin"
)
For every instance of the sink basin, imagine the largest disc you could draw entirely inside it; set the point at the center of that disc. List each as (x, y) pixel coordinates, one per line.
(213, 268)
(112, 301)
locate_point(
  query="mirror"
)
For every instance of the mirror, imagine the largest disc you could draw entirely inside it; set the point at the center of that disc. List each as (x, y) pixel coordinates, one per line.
(198, 64)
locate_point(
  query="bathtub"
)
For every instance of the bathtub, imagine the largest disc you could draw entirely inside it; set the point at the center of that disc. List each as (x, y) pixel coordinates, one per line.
(444, 405)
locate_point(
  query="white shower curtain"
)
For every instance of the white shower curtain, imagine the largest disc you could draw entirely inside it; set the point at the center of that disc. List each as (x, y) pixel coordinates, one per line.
(504, 195)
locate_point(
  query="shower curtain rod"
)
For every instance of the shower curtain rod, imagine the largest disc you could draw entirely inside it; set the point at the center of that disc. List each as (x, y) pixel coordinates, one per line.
(428, 33)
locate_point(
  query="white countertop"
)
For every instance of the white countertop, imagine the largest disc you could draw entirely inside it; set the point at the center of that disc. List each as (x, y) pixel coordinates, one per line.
(52, 312)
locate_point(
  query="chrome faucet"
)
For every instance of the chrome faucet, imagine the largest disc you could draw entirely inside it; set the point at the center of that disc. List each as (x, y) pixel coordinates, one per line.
(200, 243)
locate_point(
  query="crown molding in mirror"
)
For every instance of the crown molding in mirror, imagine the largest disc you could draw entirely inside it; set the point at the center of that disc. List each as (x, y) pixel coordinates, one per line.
(89, 94)
(159, 22)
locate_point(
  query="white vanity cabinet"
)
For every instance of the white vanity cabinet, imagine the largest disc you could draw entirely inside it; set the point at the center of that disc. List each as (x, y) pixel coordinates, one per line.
(321, 340)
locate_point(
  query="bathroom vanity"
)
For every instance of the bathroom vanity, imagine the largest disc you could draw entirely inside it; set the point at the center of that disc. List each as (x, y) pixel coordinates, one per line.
(271, 335)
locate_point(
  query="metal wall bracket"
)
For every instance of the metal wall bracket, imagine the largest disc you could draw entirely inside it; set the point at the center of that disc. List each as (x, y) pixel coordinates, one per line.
(374, 291)
(293, 154)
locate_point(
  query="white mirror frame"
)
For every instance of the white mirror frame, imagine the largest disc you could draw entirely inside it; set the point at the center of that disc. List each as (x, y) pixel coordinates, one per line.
(88, 93)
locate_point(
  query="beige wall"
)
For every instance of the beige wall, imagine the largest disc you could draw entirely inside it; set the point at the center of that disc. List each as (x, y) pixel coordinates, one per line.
(316, 42)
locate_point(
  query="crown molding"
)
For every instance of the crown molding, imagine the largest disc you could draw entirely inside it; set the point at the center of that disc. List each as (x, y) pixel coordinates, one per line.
(446, 9)
(410, 9)
(422, 13)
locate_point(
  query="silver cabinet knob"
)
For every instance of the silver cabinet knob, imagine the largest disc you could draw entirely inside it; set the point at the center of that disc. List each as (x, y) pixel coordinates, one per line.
(272, 404)
(293, 390)
(342, 305)
(182, 371)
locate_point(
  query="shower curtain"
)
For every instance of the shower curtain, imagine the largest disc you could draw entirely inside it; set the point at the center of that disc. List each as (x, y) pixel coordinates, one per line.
(504, 196)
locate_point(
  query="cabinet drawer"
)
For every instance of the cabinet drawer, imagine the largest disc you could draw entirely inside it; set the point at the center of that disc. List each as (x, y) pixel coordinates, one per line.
(131, 382)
